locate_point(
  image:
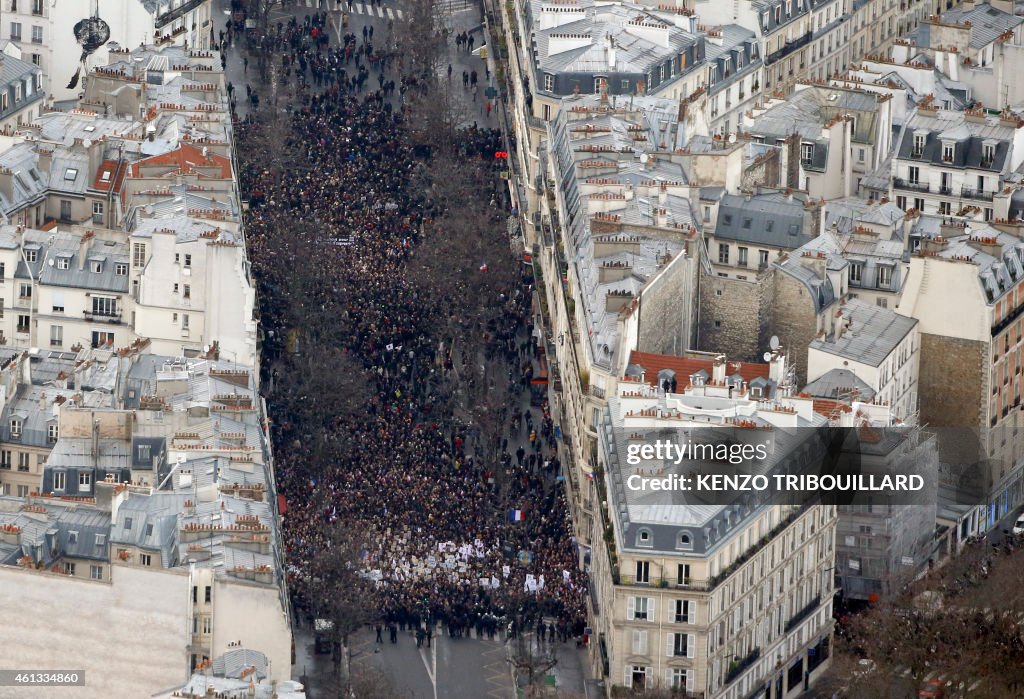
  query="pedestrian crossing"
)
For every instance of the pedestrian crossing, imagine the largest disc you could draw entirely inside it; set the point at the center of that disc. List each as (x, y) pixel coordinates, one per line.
(358, 8)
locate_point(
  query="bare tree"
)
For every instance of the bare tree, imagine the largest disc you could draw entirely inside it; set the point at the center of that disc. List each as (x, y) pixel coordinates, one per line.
(339, 592)
(532, 659)
(421, 37)
(962, 622)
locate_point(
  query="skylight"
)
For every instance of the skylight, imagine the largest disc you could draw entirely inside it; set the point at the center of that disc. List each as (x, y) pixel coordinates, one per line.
(70, 174)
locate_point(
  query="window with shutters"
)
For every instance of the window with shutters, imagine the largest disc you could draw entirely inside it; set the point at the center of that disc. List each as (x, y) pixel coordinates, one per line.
(640, 608)
(683, 611)
(680, 678)
(679, 644)
(640, 642)
(638, 677)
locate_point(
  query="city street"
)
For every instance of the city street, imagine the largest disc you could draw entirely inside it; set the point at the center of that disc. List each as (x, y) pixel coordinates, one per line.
(460, 16)
(460, 667)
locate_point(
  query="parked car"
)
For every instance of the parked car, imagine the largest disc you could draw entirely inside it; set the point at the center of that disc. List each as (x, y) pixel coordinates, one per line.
(1018, 526)
(932, 689)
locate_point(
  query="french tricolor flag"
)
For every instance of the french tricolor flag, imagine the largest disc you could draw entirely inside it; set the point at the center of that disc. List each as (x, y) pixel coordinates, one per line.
(515, 516)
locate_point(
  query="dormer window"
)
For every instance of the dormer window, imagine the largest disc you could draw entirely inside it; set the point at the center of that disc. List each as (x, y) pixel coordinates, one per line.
(31, 255)
(685, 541)
(756, 392)
(96, 266)
(919, 140)
(644, 538)
(63, 263)
(988, 154)
(15, 427)
(948, 150)
(806, 153)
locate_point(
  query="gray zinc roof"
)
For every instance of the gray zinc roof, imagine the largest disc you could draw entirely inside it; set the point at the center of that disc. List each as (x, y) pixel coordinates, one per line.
(873, 335)
(837, 384)
(79, 273)
(765, 219)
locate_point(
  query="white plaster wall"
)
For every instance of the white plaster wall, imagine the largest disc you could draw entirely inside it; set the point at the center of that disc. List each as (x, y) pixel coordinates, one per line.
(252, 614)
(128, 635)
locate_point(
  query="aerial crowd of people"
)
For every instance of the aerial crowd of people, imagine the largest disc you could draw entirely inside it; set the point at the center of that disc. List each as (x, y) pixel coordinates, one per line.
(446, 532)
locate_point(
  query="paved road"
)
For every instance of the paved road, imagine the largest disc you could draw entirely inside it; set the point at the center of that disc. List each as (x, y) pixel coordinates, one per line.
(449, 668)
(997, 534)
(459, 667)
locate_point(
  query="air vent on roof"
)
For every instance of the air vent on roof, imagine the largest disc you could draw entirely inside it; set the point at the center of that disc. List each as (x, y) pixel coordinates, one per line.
(833, 97)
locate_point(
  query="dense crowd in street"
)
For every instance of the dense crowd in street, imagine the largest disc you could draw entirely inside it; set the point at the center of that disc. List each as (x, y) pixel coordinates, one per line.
(445, 533)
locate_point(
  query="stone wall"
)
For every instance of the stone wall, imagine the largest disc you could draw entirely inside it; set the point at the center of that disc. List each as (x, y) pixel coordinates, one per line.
(734, 315)
(953, 379)
(766, 171)
(667, 308)
(794, 321)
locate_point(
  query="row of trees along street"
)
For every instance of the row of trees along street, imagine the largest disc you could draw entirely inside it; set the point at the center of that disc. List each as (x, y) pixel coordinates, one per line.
(962, 623)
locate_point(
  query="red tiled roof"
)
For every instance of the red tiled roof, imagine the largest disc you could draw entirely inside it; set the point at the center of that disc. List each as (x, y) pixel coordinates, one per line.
(829, 408)
(109, 168)
(185, 158)
(685, 366)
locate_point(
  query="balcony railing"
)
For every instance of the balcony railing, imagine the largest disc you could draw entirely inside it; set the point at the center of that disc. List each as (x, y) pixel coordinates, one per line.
(689, 584)
(803, 613)
(788, 48)
(737, 667)
(948, 191)
(899, 183)
(971, 193)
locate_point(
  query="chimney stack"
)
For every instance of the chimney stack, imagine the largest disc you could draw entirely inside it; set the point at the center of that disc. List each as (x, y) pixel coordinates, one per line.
(83, 248)
(718, 370)
(95, 440)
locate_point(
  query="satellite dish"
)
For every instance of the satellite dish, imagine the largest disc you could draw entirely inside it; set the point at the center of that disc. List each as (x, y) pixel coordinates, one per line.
(774, 342)
(967, 230)
(51, 262)
(644, 157)
(767, 356)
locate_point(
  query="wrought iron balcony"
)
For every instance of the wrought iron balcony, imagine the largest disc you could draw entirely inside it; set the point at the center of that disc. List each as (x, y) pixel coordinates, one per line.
(971, 193)
(736, 668)
(788, 48)
(803, 613)
(899, 183)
